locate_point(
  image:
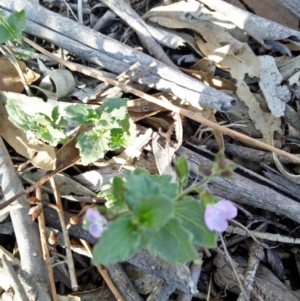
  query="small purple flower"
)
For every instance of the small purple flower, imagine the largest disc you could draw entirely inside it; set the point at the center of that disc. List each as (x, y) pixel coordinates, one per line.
(98, 223)
(216, 216)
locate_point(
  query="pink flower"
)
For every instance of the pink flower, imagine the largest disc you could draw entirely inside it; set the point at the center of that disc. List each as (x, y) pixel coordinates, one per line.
(97, 222)
(216, 216)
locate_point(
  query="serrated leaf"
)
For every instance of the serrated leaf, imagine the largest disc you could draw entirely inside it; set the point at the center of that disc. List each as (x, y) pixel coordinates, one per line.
(153, 211)
(140, 185)
(153, 182)
(83, 114)
(191, 213)
(17, 23)
(62, 122)
(173, 243)
(117, 139)
(4, 34)
(42, 119)
(50, 135)
(114, 114)
(116, 107)
(57, 135)
(92, 146)
(18, 117)
(182, 170)
(120, 241)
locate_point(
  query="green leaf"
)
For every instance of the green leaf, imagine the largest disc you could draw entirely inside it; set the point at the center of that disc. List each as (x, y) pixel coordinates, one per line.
(153, 211)
(118, 190)
(182, 170)
(117, 139)
(120, 241)
(11, 28)
(115, 107)
(191, 213)
(50, 135)
(130, 134)
(140, 184)
(42, 119)
(4, 34)
(153, 183)
(114, 114)
(173, 243)
(17, 23)
(93, 146)
(83, 114)
(18, 117)
(44, 128)
(55, 113)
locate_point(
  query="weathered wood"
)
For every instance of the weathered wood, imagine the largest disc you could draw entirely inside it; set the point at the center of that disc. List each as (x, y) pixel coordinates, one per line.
(115, 56)
(128, 15)
(244, 190)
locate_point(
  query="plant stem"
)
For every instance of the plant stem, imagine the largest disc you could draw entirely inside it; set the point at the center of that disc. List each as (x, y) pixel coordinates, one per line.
(193, 188)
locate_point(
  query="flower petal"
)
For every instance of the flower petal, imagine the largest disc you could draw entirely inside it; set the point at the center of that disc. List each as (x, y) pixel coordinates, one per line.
(92, 215)
(228, 209)
(96, 230)
(216, 216)
(213, 224)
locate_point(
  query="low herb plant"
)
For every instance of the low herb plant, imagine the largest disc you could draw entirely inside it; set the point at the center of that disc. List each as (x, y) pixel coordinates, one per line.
(150, 212)
(107, 128)
(142, 211)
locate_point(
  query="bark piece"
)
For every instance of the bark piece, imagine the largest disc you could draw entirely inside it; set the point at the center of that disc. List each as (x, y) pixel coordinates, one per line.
(25, 230)
(174, 275)
(244, 190)
(122, 283)
(115, 56)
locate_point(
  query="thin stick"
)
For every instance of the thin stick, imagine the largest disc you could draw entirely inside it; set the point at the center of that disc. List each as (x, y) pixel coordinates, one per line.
(103, 273)
(190, 114)
(60, 212)
(246, 296)
(43, 236)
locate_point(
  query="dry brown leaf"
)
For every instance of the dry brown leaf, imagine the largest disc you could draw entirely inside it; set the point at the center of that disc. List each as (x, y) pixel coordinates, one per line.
(271, 10)
(67, 186)
(191, 11)
(259, 28)
(163, 157)
(205, 65)
(219, 42)
(9, 77)
(213, 81)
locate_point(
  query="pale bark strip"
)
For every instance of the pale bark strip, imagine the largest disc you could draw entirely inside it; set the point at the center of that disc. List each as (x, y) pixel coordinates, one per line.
(125, 11)
(115, 56)
(25, 230)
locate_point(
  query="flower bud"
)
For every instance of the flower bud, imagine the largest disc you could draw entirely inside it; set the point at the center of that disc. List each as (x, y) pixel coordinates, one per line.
(223, 163)
(228, 173)
(206, 170)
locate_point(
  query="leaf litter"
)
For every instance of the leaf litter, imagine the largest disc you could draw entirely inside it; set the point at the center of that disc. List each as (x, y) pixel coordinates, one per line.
(236, 52)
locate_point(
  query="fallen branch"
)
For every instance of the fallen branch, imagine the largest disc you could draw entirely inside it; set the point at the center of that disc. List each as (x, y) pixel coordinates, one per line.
(190, 114)
(25, 230)
(115, 56)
